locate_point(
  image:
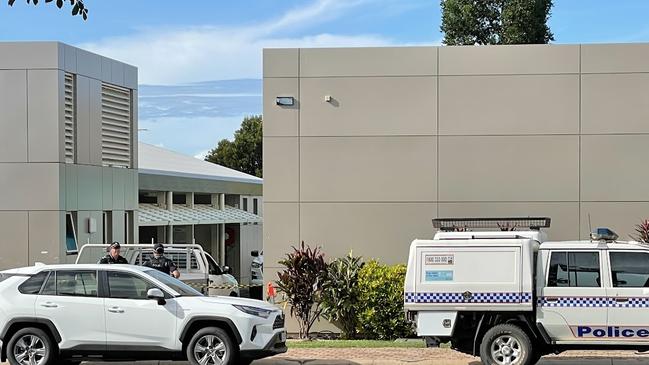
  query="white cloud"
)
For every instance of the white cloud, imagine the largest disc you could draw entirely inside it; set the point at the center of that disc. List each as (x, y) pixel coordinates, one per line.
(201, 155)
(170, 56)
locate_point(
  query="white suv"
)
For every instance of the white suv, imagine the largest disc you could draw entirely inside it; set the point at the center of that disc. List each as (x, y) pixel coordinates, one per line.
(69, 313)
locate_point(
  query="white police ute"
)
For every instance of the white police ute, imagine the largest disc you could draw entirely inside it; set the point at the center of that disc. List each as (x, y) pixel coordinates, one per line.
(495, 288)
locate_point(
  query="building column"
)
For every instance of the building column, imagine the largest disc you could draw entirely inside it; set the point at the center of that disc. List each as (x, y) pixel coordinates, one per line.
(222, 201)
(170, 234)
(222, 243)
(170, 200)
(189, 200)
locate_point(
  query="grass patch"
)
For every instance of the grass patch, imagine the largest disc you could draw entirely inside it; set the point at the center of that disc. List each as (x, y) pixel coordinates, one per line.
(314, 344)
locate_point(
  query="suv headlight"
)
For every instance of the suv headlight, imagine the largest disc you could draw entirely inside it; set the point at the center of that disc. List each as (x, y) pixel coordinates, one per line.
(263, 313)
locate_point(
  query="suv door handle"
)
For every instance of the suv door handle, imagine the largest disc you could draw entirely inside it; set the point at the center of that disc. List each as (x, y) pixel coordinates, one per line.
(551, 299)
(115, 310)
(621, 300)
(49, 305)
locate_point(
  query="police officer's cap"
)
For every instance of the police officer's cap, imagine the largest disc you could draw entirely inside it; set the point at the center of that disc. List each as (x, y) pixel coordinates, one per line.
(115, 245)
(159, 248)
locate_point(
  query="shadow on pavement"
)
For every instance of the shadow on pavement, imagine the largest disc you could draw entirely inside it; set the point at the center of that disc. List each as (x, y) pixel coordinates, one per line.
(589, 361)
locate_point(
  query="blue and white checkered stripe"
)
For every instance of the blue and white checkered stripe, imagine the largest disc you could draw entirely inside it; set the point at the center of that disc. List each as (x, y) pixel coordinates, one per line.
(476, 298)
(592, 302)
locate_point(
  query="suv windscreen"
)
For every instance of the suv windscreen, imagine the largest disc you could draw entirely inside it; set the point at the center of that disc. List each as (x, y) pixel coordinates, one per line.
(175, 284)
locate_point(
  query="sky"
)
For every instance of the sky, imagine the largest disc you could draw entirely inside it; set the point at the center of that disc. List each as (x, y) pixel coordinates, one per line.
(199, 61)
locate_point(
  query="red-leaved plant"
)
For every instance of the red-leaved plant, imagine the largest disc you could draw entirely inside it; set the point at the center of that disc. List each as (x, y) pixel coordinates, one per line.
(642, 231)
(301, 282)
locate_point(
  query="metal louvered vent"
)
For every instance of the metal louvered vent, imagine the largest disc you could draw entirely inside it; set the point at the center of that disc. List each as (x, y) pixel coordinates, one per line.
(115, 126)
(70, 119)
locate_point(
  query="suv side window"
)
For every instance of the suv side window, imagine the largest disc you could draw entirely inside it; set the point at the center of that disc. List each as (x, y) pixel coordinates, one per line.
(127, 286)
(75, 283)
(630, 269)
(574, 269)
(33, 284)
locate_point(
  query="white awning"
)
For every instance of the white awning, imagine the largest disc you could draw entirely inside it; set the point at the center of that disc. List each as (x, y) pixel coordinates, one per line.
(153, 215)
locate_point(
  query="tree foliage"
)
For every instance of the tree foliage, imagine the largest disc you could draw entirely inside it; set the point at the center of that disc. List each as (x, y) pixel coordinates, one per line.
(244, 153)
(78, 7)
(341, 294)
(301, 281)
(471, 22)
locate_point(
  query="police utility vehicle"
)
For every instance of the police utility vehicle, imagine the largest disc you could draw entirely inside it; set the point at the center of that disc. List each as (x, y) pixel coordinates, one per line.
(496, 289)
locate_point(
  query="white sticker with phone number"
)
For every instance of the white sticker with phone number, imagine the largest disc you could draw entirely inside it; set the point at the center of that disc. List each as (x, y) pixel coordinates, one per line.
(440, 259)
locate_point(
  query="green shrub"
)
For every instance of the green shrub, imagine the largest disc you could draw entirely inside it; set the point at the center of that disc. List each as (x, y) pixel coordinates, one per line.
(341, 294)
(381, 302)
(301, 281)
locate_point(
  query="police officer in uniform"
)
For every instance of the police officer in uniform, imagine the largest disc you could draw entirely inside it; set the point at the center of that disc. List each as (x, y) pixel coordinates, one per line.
(161, 263)
(113, 256)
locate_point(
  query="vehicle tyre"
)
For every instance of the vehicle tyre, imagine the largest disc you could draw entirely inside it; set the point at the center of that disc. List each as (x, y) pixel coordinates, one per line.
(30, 346)
(211, 346)
(506, 344)
(234, 294)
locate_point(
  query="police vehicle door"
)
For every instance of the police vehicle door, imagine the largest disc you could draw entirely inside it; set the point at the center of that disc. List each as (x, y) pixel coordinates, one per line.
(628, 313)
(218, 286)
(573, 296)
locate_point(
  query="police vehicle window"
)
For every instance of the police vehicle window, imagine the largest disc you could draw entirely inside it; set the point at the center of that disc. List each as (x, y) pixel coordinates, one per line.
(33, 284)
(630, 269)
(76, 283)
(127, 286)
(574, 269)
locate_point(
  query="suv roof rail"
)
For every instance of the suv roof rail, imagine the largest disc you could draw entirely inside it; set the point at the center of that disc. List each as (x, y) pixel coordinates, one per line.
(502, 224)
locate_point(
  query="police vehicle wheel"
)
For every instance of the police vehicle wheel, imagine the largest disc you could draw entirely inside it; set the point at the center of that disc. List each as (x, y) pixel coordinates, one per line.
(506, 344)
(30, 346)
(211, 346)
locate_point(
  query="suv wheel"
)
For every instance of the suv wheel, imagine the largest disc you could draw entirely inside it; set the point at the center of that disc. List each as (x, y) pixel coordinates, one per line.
(30, 346)
(506, 344)
(211, 346)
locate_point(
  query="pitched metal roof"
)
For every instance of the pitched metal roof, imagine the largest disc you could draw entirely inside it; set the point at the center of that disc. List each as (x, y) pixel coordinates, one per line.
(160, 161)
(153, 215)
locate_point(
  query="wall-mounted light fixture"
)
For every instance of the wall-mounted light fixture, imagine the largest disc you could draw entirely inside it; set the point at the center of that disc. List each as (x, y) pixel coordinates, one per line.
(328, 98)
(285, 100)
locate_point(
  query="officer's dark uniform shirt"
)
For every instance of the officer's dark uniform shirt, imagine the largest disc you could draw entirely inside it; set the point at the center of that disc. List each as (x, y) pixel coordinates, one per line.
(162, 264)
(108, 259)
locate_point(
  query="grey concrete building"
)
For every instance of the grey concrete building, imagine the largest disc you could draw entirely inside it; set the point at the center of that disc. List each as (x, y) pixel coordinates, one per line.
(379, 141)
(68, 151)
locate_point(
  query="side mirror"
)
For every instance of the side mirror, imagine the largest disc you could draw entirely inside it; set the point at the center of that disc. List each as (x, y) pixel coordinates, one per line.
(227, 270)
(156, 294)
(254, 253)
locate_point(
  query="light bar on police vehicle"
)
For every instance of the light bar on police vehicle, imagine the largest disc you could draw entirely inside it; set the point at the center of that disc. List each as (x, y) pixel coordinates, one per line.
(502, 224)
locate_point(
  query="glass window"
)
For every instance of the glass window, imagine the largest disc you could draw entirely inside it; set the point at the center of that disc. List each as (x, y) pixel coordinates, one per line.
(127, 286)
(255, 206)
(175, 284)
(50, 285)
(574, 269)
(76, 283)
(33, 284)
(630, 269)
(70, 234)
(215, 269)
(245, 204)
